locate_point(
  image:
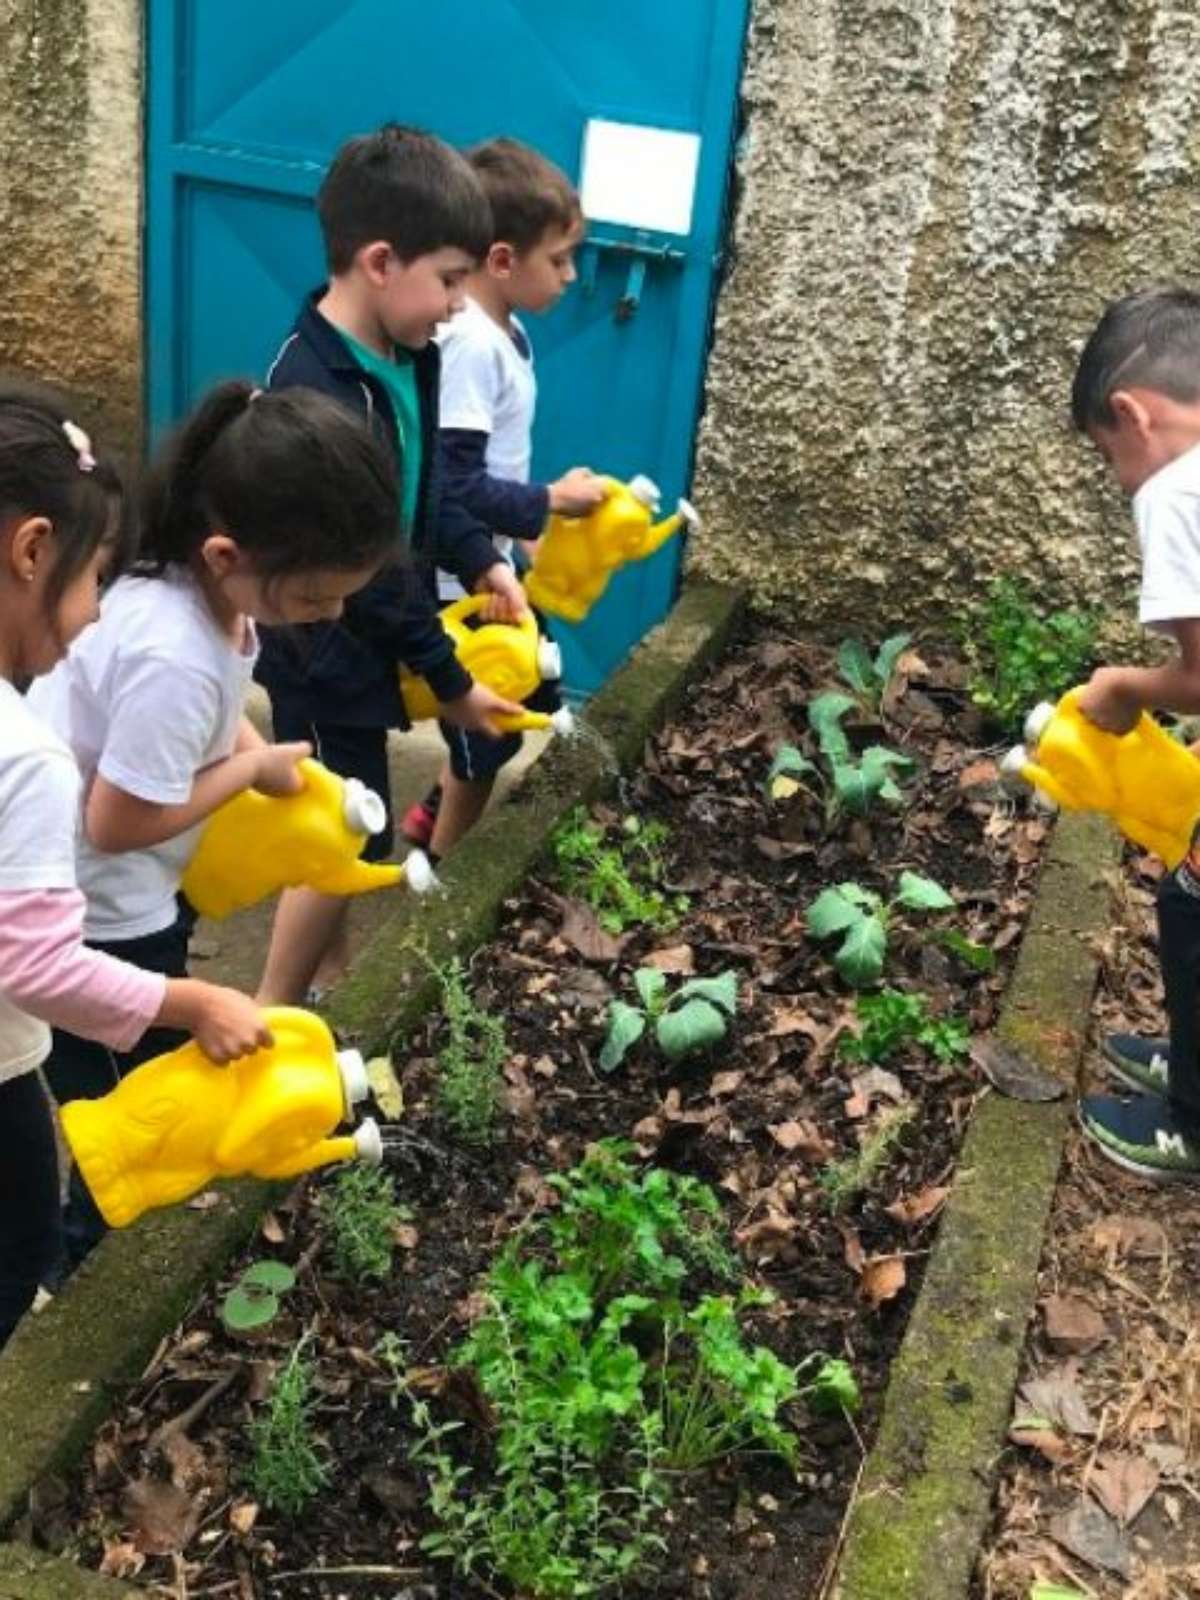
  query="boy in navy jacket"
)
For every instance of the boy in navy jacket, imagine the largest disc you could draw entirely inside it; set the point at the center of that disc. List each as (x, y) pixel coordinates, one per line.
(404, 221)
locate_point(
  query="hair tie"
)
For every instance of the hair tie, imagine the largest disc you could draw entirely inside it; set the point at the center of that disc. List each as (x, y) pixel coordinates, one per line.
(82, 446)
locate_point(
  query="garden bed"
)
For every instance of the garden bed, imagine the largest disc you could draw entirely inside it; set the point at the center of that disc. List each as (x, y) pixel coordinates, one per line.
(830, 1170)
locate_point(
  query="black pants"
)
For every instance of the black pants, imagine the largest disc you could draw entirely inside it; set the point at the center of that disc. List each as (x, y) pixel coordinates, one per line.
(30, 1225)
(1179, 953)
(81, 1069)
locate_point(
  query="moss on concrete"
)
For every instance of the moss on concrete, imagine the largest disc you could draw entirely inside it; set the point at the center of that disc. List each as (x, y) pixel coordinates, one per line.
(59, 1374)
(27, 1574)
(923, 1503)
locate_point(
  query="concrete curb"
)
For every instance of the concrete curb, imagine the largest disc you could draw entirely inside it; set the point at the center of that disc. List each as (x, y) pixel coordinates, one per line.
(923, 1505)
(61, 1372)
(27, 1574)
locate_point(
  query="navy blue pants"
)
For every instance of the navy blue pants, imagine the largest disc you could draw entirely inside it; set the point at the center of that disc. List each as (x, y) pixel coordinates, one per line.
(30, 1222)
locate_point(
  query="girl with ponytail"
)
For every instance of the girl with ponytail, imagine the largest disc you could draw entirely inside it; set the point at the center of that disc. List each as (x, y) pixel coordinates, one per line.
(263, 508)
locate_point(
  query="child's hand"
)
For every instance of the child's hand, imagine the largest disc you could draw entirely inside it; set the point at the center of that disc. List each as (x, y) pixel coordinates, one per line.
(577, 492)
(277, 772)
(475, 709)
(1107, 701)
(507, 602)
(227, 1024)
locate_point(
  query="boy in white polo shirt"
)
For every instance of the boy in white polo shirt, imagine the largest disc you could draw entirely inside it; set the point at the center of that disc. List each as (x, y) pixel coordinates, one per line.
(1137, 397)
(488, 398)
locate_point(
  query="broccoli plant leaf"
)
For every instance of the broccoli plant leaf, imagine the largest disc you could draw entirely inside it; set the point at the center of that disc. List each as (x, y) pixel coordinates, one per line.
(886, 657)
(854, 664)
(922, 894)
(833, 911)
(651, 985)
(722, 991)
(247, 1306)
(274, 1275)
(788, 771)
(626, 1025)
(695, 1026)
(860, 956)
(825, 715)
(979, 957)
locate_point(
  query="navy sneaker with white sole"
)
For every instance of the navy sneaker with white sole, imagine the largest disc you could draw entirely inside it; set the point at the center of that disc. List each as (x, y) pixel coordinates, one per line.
(1141, 1063)
(1146, 1135)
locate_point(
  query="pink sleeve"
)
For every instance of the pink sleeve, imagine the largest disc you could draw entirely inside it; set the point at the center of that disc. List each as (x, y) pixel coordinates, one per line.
(48, 971)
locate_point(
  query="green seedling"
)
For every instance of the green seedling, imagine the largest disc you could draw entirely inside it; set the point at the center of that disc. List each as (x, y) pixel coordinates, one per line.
(360, 1213)
(847, 785)
(861, 917)
(470, 1063)
(253, 1301)
(843, 1181)
(890, 1020)
(834, 1391)
(287, 1471)
(686, 1023)
(869, 676)
(1021, 656)
(621, 881)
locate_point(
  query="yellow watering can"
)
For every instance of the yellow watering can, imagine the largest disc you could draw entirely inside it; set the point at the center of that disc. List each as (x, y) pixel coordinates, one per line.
(256, 844)
(511, 658)
(1144, 780)
(576, 556)
(177, 1122)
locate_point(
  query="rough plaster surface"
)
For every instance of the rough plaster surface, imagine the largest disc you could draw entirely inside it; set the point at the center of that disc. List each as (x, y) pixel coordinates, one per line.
(937, 198)
(70, 197)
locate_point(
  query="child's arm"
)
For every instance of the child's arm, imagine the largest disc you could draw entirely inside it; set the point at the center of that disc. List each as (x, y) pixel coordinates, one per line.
(1115, 697)
(48, 971)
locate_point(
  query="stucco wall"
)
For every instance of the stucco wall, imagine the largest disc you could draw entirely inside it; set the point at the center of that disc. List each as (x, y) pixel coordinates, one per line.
(937, 199)
(70, 199)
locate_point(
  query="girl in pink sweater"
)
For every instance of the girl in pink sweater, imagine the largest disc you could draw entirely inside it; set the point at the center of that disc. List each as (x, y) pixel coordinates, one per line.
(63, 529)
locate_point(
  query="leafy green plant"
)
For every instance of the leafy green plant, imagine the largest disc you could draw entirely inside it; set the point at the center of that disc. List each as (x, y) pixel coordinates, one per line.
(891, 1019)
(1020, 655)
(867, 675)
(471, 1062)
(286, 1469)
(842, 1181)
(861, 917)
(621, 881)
(254, 1299)
(360, 1211)
(834, 1390)
(849, 785)
(687, 1022)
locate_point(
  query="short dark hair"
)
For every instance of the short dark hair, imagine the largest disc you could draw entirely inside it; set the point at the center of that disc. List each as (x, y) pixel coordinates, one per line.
(44, 473)
(527, 193)
(298, 480)
(407, 187)
(1147, 340)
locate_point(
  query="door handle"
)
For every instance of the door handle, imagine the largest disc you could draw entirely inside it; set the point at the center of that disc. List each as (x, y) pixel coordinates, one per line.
(641, 251)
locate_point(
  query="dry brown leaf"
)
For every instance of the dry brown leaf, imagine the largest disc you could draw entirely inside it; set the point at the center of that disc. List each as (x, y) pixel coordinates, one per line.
(857, 1106)
(272, 1229)
(677, 958)
(1045, 1441)
(405, 1235)
(187, 1461)
(162, 1517)
(243, 1516)
(1124, 1484)
(764, 1239)
(877, 1083)
(582, 931)
(802, 1136)
(204, 1201)
(725, 1082)
(1054, 1397)
(1072, 1326)
(1093, 1536)
(791, 1019)
(918, 1207)
(852, 1248)
(979, 772)
(1126, 1235)
(121, 1560)
(883, 1277)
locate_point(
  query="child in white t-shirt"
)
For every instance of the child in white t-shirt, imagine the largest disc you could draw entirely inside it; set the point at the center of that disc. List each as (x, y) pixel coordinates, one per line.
(268, 507)
(1137, 397)
(488, 399)
(62, 525)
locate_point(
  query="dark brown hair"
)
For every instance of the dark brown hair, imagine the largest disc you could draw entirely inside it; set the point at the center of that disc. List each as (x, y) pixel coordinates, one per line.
(527, 193)
(1147, 340)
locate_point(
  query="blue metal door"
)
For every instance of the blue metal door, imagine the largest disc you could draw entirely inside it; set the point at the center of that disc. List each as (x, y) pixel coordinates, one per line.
(248, 102)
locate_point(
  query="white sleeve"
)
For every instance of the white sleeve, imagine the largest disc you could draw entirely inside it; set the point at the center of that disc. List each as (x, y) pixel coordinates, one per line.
(39, 820)
(161, 722)
(1170, 536)
(471, 384)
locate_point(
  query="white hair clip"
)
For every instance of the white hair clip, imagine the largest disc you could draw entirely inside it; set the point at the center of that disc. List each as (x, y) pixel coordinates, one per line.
(81, 444)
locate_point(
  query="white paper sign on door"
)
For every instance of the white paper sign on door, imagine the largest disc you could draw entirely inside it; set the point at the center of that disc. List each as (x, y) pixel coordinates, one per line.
(639, 177)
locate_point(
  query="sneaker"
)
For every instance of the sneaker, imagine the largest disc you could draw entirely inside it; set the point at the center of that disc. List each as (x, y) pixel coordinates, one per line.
(1145, 1135)
(421, 818)
(1141, 1063)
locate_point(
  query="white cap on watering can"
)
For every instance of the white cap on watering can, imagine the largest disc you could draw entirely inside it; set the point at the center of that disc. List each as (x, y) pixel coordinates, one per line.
(646, 490)
(1037, 721)
(549, 661)
(355, 1084)
(690, 515)
(562, 722)
(1013, 765)
(368, 1142)
(362, 809)
(419, 873)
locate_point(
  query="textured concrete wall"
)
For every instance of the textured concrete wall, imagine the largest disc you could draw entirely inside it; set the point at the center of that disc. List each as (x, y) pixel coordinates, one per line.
(937, 199)
(70, 200)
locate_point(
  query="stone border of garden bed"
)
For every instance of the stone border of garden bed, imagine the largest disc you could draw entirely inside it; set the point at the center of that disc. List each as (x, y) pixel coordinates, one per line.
(924, 1500)
(62, 1372)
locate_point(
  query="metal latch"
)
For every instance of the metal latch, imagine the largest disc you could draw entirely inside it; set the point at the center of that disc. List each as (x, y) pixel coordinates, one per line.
(642, 250)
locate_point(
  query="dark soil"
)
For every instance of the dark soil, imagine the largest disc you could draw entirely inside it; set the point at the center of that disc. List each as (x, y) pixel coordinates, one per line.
(759, 1121)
